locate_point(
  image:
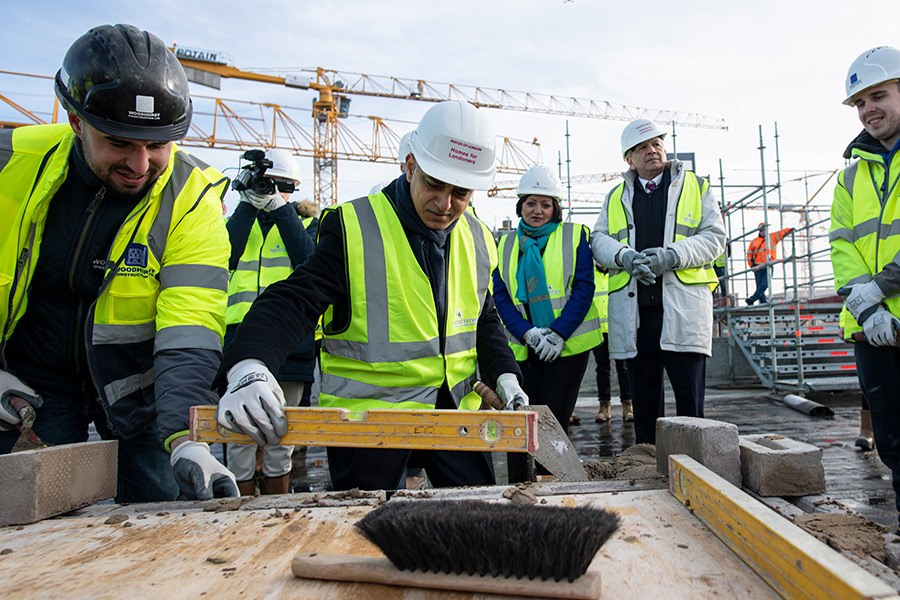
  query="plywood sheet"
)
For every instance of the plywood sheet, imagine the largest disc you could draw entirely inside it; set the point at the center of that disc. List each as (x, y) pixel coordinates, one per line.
(660, 551)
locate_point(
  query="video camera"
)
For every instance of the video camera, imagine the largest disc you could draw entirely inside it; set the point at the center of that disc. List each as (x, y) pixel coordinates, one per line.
(252, 176)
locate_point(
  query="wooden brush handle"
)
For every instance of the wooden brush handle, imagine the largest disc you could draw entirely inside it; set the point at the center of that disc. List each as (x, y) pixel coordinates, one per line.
(378, 569)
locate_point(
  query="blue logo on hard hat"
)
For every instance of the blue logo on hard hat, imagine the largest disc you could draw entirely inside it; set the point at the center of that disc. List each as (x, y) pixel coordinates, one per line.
(136, 256)
(854, 79)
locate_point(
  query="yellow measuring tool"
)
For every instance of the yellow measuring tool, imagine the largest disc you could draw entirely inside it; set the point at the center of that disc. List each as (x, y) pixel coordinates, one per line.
(481, 430)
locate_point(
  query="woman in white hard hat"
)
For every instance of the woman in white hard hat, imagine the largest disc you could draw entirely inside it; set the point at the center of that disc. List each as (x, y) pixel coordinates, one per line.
(544, 291)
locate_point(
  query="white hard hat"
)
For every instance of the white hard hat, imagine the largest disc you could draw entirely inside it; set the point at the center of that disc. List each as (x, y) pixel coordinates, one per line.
(454, 143)
(541, 180)
(403, 150)
(637, 132)
(871, 68)
(284, 165)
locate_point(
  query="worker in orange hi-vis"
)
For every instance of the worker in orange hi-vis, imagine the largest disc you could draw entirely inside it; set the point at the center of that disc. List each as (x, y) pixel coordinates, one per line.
(758, 254)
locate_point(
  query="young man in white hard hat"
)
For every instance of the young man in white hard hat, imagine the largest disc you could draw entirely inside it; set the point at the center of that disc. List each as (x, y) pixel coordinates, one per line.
(113, 268)
(658, 233)
(268, 241)
(403, 278)
(865, 244)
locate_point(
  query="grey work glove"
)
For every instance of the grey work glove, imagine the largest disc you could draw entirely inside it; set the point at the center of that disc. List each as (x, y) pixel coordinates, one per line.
(510, 392)
(266, 202)
(11, 386)
(862, 299)
(661, 260)
(199, 475)
(881, 328)
(532, 337)
(551, 346)
(637, 265)
(253, 404)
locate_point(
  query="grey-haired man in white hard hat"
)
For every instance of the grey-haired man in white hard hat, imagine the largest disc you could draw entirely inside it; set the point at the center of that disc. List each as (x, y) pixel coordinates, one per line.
(658, 234)
(865, 243)
(404, 275)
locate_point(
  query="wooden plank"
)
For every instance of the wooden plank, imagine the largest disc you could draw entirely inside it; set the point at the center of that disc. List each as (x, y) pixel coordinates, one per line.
(661, 551)
(793, 562)
(477, 430)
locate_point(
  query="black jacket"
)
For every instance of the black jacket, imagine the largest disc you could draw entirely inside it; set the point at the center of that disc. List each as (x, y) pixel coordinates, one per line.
(288, 311)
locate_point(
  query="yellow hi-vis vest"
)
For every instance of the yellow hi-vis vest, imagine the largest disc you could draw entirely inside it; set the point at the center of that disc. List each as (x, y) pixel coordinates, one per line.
(864, 235)
(307, 221)
(601, 298)
(391, 354)
(559, 268)
(263, 262)
(687, 220)
(167, 270)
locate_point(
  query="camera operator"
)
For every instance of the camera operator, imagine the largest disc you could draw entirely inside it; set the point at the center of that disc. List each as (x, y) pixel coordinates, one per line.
(268, 241)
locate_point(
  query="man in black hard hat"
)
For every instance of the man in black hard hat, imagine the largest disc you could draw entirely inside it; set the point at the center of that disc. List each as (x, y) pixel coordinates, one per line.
(113, 268)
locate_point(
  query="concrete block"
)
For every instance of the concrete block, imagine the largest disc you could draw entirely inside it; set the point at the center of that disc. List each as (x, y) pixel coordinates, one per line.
(42, 483)
(714, 444)
(773, 465)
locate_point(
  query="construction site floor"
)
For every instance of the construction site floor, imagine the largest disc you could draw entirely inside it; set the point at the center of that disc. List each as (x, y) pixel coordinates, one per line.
(856, 479)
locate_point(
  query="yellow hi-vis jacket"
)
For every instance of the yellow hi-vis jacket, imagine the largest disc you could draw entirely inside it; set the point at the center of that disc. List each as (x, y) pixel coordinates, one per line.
(864, 235)
(263, 262)
(391, 354)
(166, 277)
(687, 220)
(601, 298)
(559, 268)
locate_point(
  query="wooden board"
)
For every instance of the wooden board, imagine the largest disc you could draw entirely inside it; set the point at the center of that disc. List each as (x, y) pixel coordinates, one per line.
(792, 561)
(661, 551)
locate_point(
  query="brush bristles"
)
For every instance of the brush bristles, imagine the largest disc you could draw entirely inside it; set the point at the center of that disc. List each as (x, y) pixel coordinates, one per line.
(467, 536)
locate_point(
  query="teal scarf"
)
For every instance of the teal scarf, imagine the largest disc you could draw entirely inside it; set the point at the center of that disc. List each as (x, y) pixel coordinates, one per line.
(531, 280)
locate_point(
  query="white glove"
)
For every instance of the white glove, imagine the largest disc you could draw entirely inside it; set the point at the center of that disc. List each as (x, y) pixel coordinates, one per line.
(510, 392)
(881, 328)
(637, 265)
(199, 475)
(266, 202)
(253, 404)
(661, 260)
(11, 386)
(862, 299)
(533, 337)
(551, 346)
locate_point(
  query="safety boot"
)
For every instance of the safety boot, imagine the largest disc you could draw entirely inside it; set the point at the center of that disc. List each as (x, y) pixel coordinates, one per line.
(866, 439)
(247, 488)
(275, 485)
(603, 412)
(627, 411)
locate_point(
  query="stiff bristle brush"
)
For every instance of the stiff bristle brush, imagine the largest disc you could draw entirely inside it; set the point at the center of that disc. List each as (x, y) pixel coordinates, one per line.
(475, 546)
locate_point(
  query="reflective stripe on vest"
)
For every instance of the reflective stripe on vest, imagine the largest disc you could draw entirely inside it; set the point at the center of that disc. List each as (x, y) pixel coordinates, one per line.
(263, 262)
(688, 214)
(559, 267)
(875, 232)
(389, 355)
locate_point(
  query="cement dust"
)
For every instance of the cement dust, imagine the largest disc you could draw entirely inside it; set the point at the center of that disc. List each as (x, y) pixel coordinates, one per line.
(846, 532)
(636, 462)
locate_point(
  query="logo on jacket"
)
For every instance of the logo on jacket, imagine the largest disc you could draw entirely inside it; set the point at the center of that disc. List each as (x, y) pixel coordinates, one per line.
(136, 255)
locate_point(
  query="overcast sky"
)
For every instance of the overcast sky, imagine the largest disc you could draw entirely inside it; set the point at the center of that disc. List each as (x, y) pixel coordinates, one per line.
(751, 64)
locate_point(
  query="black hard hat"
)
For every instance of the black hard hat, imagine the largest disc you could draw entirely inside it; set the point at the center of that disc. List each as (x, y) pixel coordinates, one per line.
(125, 83)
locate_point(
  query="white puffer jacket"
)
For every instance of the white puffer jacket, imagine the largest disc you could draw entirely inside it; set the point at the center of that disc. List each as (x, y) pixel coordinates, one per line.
(687, 309)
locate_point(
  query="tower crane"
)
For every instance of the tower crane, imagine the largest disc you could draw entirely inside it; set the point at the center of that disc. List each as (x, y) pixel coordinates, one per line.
(332, 103)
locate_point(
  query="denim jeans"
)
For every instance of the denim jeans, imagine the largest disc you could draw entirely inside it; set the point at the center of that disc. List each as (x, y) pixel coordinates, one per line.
(762, 284)
(145, 474)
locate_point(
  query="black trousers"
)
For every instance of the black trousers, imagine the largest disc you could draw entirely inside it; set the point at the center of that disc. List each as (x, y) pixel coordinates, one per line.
(385, 469)
(601, 357)
(878, 368)
(554, 384)
(686, 371)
